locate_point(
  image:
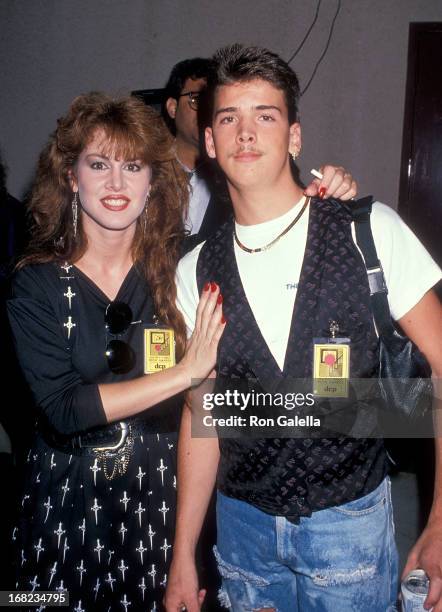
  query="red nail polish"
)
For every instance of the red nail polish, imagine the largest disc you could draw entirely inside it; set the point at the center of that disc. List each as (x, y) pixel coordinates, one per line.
(213, 287)
(321, 192)
(223, 319)
(219, 299)
(206, 287)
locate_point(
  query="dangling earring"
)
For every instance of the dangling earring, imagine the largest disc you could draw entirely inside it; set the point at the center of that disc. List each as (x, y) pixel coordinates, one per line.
(75, 213)
(145, 216)
(294, 154)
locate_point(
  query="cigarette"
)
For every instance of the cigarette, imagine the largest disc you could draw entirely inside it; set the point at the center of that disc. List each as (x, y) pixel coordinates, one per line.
(316, 173)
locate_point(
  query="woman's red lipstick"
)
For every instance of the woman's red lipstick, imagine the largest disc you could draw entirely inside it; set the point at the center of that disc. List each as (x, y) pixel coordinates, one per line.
(115, 203)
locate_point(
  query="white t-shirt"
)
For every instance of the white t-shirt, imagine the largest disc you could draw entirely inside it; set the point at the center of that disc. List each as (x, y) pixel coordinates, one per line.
(270, 278)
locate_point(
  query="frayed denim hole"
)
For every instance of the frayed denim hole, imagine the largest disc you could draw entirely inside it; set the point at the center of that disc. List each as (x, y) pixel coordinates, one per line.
(224, 599)
(232, 572)
(327, 578)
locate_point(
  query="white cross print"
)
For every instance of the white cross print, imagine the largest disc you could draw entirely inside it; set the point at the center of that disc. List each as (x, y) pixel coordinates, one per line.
(39, 548)
(97, 588)
(53, 464)
(164, 509)
(151, 533)
(66, 267)
(81, 569)
(124, 500)
(110, 553)
(23, 558)
(61, 588)
(141, 550)
(122, 530)
(59, 532)
(139, 512)
(69, 295)
(24, 498)
(95, 509)
(142, 586)
(122, 567)
(65, 548)
(111, 581)
(165, 547)
(69, 325)
(140, 475)
(52, 571)
(153, 573)
(65, 488)
(162, 468)
(79, 608)
(95, 469)
(99, 547)
(164, 581)
(34, 583)
(82, 528)
(48, 507)
(125, 603)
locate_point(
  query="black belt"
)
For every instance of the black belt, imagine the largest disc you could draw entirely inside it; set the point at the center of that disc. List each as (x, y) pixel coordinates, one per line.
(109, 438)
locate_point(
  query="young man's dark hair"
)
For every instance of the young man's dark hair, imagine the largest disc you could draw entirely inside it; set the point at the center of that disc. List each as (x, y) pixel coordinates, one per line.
(194, 68)
(237, 63)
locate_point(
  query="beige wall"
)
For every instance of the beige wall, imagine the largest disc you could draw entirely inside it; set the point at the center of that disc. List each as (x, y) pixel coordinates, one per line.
(352, 114)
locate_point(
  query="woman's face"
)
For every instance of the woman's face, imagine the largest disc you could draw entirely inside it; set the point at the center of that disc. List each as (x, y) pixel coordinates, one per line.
(112, 192)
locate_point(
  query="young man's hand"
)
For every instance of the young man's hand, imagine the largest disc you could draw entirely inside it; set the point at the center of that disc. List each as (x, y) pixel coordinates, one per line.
(182, 591)
(426, 554)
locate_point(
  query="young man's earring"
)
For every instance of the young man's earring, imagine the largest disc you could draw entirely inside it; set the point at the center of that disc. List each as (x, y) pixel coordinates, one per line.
(295, 154)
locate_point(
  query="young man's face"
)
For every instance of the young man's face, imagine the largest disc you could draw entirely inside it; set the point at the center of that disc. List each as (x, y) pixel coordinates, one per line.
(250, 134)
(186, 117)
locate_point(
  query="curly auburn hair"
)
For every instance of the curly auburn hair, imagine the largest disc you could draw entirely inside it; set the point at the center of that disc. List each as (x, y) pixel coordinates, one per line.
(132, 131)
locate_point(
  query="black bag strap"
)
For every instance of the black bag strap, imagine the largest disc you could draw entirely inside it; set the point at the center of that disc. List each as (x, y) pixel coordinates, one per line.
(361, 211)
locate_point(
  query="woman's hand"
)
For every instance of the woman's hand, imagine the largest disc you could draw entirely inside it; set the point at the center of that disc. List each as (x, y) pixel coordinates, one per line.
(201, 352)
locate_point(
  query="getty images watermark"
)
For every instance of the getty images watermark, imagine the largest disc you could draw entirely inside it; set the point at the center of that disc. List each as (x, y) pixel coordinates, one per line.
(306, 408)
(252, 400)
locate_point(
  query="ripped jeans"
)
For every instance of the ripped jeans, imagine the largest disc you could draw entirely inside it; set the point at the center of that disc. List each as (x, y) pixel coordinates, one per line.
(342, 559)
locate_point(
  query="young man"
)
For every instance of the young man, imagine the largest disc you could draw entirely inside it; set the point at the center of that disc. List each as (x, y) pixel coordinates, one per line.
(303, 523)
(207, 210)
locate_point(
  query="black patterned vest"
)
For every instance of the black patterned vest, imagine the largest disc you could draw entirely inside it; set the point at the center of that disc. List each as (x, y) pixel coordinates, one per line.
(293, 477)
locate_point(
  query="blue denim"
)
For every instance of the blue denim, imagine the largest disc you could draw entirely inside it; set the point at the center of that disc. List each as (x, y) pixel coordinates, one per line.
(342, 559)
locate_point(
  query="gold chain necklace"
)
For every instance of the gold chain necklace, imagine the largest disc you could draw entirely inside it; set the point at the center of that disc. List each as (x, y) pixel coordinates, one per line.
(275, 240)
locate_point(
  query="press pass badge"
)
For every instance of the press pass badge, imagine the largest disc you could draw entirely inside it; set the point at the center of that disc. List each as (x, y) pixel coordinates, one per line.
(159, 349)
(331, 364)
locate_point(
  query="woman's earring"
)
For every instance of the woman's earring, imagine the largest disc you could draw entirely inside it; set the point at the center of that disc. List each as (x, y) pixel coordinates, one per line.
(75, 213)
(145, 215)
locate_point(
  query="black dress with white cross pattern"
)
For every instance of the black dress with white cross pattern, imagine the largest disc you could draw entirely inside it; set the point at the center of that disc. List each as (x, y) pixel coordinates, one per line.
(107, 542)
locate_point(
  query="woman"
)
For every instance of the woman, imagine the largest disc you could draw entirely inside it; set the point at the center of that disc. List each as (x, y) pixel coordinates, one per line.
(97, 512)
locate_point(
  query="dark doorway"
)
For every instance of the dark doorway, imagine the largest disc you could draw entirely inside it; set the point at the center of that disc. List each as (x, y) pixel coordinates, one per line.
(420, 195)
